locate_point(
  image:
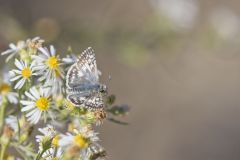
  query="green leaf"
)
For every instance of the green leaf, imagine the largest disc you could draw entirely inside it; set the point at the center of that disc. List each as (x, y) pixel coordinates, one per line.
(119, 110)
(117, 121)
(111, 99)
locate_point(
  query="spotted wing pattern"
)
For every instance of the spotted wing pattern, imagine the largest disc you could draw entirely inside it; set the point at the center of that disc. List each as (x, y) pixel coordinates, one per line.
(82, 74)
(84, 71)
(91, 101)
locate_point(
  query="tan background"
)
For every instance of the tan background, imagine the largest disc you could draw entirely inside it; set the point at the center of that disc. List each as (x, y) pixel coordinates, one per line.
(183, 83)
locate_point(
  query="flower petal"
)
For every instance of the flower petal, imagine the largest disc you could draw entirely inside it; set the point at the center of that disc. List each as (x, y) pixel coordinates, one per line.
(15, 78)
(52, 50)
(44, 51)
(29, 107)
(19, 84)
(30, 96)
(18, 64)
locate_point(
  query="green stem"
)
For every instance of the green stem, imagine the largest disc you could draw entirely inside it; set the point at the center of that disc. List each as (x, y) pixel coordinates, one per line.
(39, 156)
(19, 98)
(2, 114)
(55, 152)
(3, 150)
(18, 131)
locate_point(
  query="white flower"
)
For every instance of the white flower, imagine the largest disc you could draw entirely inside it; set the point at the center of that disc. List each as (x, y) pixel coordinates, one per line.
(48, 64)
(6, 91)
(82, 139)
(69, 60)
(39, 102)
(22, 74)
(51, 154)
(49, 133)
(84, 133)
(14, 50)
(12, 122)
(56, 84)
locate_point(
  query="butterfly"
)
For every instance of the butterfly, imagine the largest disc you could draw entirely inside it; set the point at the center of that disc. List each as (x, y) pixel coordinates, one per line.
(82, 81)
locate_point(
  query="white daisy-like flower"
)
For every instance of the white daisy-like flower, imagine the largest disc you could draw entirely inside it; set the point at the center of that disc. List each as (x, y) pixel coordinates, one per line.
(6, 90)
(52, 154)
(12, 122)
(81, 142)
(22, 74)
(69, 60)
(49, 133)
(56, 84)
(48, 64)
(14, 50)
(39, 102)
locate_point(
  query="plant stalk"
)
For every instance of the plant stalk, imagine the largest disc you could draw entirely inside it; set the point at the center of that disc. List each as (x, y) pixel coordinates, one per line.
(3, 149)
(2, 114)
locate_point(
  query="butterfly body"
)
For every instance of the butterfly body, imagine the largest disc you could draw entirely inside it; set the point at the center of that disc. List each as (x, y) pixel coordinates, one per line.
(83, 87)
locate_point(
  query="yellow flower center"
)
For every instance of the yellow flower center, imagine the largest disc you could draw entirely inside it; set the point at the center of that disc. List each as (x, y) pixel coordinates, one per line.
(42, 103)
(81, 141)
(52, 62)
(55, 158)
(55, 141)
(5, 88)
(26, 73)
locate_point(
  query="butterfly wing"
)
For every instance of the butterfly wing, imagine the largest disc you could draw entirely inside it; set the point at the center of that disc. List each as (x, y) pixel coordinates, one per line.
(95, 101)
(86, 99)
(82, 74)
(84, 71)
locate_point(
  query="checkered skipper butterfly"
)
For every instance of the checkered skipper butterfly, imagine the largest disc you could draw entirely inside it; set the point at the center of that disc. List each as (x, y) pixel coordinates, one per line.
(82, 81)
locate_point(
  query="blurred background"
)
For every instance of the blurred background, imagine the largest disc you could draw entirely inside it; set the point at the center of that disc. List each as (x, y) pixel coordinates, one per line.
(175, 62)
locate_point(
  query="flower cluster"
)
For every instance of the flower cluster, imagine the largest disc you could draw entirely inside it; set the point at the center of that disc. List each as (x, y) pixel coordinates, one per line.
(32, 94)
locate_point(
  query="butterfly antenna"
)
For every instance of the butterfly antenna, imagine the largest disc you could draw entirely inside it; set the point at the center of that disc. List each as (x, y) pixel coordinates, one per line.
(109, 79)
